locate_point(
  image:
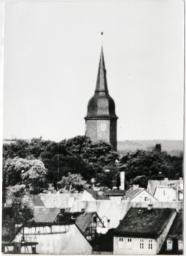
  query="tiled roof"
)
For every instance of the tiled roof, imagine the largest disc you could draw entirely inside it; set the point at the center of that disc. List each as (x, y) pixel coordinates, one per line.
(98, 195)
(114, 192)
(83, 220)
(141, 222)
(153, 184)
(129, 194)
(176, 230)
(45, 214)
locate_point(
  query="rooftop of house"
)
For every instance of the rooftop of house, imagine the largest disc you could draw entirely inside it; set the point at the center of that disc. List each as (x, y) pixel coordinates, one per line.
(153, 184)
(114, 192)
(144, 222)
(131, 193)
(45, 214)
(176, 230)
(60, 201)
(37, 200)
(84, 219)
(98, 195)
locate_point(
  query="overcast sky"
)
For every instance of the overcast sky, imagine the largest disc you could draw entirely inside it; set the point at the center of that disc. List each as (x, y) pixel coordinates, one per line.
(51, 56)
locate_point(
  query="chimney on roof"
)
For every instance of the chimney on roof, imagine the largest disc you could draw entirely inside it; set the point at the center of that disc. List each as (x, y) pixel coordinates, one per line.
(166, 179)
(135, 186)
(149, 207)
(122, 181)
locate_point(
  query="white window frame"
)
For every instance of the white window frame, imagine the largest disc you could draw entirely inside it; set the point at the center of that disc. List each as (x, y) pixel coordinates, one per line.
(180, 245)
(121, 242)
(169, 244)
(141, 244)
(129, 243)
(150, 244)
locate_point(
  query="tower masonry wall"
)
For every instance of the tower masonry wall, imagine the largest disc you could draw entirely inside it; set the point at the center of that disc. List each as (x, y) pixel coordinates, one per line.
(103, 130)
(113, 134)
(91, 129)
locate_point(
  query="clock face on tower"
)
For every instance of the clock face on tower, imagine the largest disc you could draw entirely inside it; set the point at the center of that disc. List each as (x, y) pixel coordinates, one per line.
(103, 127)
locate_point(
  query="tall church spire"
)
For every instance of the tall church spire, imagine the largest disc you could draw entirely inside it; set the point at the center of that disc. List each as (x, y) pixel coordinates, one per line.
(101, 85)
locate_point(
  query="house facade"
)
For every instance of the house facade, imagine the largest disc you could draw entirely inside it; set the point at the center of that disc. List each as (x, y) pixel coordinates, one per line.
(143, 231)
(54, 238)
(137, 194)
(166, 190)
(174, 240)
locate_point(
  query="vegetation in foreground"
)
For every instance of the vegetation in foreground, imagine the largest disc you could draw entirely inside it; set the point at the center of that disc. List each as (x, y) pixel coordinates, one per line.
(71, 165)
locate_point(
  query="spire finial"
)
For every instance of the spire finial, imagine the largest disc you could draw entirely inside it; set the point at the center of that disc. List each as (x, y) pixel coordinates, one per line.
(102, 40)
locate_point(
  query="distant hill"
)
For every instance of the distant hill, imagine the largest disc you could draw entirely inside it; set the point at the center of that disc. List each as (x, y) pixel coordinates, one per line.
(173, 147)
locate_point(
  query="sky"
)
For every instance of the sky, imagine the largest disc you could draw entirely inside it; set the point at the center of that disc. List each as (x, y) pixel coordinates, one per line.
(51, 57)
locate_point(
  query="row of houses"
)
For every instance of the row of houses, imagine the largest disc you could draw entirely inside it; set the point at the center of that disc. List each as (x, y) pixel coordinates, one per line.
(134, 221)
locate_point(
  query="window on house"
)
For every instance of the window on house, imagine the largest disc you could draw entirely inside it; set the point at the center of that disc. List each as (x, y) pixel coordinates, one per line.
(150, 244)
(94, 218)
(146, 199)
(180, 245)
(129, 243)
(169, 244)
(121, 242)
(141, 244)
(164, 192)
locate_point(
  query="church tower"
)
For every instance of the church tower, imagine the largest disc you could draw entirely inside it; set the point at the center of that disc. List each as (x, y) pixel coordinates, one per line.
(101, 120)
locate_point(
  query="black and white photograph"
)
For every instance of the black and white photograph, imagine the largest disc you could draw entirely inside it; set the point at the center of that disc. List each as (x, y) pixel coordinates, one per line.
(92, 111)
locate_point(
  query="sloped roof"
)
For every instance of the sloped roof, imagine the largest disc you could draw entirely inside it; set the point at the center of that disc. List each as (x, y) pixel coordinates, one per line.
(47, 215)
(98, 195)
(129, 194)
(153, 184)
(83, 220)
(63, 200)
(114, 192)
(141, 222)
(176, 230)
(36, 200)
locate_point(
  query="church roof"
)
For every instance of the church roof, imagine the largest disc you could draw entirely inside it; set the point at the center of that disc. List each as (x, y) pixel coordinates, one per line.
(101, 105)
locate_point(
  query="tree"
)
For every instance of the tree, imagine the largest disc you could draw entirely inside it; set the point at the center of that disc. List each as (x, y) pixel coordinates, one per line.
(153, 164)
(30, 172)
(72, 182)
(20, 212)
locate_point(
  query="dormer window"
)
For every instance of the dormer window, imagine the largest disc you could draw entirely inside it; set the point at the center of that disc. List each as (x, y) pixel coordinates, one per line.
(94, 218)
(169, 244)
(180, 245)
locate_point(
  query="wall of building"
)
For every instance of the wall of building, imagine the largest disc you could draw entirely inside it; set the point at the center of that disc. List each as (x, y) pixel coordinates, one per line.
(144, 196)
(57, 242)
(91, 129)
(164, 234)
(165, 194)
(103, 130)
(122, 247)
(113, 134)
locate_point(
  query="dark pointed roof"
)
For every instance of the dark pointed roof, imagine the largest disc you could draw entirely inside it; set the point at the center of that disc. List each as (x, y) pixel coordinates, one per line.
(101, 85)
(101, 105)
